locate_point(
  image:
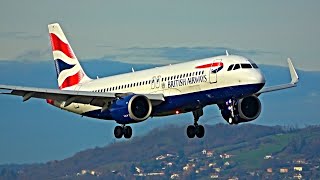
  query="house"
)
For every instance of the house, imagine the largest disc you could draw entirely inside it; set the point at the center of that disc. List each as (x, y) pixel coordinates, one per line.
(209, 153)
(160, 157)
(217, 169)
(283, 170)
(169, 164)
(297, 176)
(212, 164)
(267, 157)
(174, 176)
(138, 170)
(188, 166)
(297, 168)
(227, 163)
(204, 152)
(269, 170)
(214, 176)
(225, 156)
(300, 161)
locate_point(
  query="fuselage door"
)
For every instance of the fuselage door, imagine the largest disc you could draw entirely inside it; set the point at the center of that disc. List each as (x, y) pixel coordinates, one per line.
(216, 66)
(153, 82)
(158, 82)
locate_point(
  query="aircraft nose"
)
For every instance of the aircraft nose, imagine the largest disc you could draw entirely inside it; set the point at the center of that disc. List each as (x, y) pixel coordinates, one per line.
(257, 77)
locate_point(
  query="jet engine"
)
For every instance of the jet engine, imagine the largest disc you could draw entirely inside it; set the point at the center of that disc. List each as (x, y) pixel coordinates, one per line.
(131, 109)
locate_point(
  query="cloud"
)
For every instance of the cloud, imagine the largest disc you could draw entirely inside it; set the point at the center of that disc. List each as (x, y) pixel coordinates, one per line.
(166, 55)
(34, 55)
(19, 35)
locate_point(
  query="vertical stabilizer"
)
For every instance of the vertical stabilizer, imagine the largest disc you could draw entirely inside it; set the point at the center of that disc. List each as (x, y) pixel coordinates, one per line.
(69, 70)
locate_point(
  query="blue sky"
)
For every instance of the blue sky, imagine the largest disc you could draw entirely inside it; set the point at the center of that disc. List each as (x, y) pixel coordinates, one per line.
(110, 37)
(121, 29)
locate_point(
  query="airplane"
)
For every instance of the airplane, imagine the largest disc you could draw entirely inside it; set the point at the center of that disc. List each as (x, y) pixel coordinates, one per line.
(232, 82)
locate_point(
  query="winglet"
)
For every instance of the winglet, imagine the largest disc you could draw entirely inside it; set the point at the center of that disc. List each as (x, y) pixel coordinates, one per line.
(293, 73)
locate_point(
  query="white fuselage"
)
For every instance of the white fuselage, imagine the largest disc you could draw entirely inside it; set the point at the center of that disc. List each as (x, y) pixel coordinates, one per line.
(175, 80)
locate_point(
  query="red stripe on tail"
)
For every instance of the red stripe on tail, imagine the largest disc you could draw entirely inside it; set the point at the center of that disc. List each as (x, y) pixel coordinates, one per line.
(72, 80)
(59, 45)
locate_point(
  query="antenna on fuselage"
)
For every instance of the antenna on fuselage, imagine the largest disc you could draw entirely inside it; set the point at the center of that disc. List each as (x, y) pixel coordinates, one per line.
(132, 69)
(227, 53)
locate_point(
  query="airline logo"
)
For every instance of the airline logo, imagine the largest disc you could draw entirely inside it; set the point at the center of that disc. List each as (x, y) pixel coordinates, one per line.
(215, 67)
(68, 69)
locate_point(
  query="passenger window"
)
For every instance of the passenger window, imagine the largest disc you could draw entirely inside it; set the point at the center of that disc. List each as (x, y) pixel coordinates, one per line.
(230, 67)
(237, 66)
(246, 66)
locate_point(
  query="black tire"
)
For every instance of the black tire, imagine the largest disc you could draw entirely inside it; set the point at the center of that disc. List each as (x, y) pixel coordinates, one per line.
(127, 132)
(191, 131)
(200, 131)
(118, 132)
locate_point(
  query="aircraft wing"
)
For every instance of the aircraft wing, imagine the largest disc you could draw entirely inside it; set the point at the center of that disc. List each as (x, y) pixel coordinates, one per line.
(69, 96)
(293, 83)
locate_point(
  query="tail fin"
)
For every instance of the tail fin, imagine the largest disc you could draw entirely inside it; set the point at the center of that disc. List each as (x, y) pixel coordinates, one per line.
(69, 70)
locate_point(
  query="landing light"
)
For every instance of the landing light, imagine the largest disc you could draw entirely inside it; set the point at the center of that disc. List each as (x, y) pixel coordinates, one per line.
(177, 112)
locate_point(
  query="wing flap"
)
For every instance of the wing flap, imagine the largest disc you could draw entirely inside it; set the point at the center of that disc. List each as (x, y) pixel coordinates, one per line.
(83, 97)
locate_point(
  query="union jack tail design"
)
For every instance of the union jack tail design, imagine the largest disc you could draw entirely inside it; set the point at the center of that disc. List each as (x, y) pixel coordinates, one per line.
(69, 70)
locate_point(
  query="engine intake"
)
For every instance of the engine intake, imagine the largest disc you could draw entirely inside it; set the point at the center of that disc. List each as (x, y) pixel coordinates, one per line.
(249, 108)
(130, 109)
(139, 107)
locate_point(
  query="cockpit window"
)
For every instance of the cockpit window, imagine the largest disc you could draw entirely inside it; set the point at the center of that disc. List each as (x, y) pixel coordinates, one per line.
(230, 67)
(246, 66)
(254, 65)
(237, 66)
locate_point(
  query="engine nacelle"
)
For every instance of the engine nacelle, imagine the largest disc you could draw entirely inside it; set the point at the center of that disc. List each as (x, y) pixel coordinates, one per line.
(249, 108)
(130, 109)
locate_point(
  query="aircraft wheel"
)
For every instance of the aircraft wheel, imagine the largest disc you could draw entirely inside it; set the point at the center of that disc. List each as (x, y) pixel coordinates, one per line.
(200, 131)
(118, 132)
(191, 131)
(127, 132)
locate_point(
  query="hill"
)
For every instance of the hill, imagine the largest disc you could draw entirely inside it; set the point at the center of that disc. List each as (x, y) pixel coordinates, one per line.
(227, 151)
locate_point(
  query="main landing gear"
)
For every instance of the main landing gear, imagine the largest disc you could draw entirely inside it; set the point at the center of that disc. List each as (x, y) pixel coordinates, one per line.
(196, 130)
(123, 130)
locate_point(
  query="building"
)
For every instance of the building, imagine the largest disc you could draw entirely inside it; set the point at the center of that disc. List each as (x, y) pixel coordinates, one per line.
(174, 176)
(297, 176)
(214, 176)
(283, 170)
(160, 157)
(269, 170)
(300, 161)
(212, 164)
(225, 156)
(267, 157)
(204, 152)
(209, 153)
(297, 168)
